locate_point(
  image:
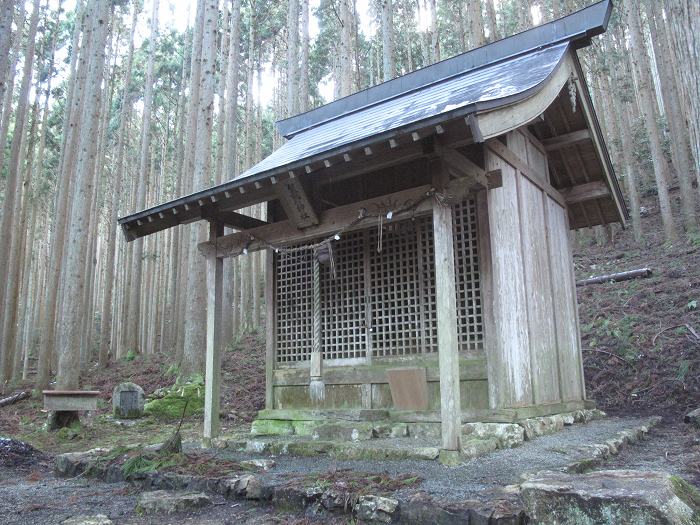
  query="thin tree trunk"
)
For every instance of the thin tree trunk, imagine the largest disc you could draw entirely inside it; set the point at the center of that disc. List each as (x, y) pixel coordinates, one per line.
(680, 150)
(640, 65)
(9, 224)
(293, 57)
(7, 9)
(134, 314)
(113, 206)
(684, 19)
(304, 87)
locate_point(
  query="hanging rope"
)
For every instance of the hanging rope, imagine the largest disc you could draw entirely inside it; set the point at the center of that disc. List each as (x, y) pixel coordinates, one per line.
(362, 216)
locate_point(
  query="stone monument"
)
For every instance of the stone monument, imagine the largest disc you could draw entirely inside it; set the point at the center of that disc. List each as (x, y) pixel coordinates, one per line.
(128, 401)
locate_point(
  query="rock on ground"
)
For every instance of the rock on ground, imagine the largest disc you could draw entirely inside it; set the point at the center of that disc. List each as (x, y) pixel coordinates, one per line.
(376, 509)
(164, 501)
(693, 417)
(97, 519)
(610, 496)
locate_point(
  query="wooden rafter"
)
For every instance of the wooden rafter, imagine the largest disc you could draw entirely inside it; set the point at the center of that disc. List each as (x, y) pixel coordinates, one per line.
(566, 140)
(296, 203)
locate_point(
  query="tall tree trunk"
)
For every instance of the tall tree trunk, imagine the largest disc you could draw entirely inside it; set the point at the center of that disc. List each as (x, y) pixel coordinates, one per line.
(304, 87)
(68, 373)
(9, 224)
(476, 24)
(113, 206)
(134, 314)
(195, 326)
(9, 81)
(293, 57)
(71, 123)
(434, 35)
(345, 80)
(494, 33)
(7, 10)
(680, 152)
(640, 65)
(388, 62)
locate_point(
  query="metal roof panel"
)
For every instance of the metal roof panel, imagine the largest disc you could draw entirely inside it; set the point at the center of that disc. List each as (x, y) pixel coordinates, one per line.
(462, 92)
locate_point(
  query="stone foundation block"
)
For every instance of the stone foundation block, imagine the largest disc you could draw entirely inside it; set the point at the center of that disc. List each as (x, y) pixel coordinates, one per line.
(507, 435)
(163, 501)
(271, 427)
(613, 496)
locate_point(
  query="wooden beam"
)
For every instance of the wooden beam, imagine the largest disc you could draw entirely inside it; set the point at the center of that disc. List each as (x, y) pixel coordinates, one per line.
(586, 192)
(330, 221)
(566, 140)
(461, 166)
(537, 179)
(212, 380)
(446, 312)
(296, 203)
(237, 221)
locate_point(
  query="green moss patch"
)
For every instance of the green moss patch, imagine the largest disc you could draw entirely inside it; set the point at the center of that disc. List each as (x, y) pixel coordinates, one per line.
(171, 402)
(689, 495)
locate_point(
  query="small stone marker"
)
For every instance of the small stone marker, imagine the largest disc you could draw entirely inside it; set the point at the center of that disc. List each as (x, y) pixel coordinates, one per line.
(128, 401)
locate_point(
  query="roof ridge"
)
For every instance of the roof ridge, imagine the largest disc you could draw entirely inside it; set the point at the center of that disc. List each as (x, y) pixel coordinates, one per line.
(579, 26)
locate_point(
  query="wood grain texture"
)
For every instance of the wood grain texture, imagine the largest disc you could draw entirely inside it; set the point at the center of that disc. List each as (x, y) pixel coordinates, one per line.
(448, 344)
(509, 364)
(212, 379)
(564, 295)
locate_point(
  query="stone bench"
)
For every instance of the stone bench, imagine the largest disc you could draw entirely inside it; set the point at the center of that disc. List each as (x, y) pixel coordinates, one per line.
(70, 400)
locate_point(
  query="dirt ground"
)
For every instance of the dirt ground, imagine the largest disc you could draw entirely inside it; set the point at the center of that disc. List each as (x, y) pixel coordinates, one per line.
(641, 356)
(641, 338)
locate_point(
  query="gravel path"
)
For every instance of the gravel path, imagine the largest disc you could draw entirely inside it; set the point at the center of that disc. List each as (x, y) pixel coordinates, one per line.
(503, 467)
(34, 496)
(37, 497)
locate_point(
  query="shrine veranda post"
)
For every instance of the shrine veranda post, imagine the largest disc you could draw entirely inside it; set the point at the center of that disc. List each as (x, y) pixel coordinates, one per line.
(419, 265)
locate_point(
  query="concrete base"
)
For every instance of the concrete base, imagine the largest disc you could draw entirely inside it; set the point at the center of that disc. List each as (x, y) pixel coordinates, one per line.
(450, 458)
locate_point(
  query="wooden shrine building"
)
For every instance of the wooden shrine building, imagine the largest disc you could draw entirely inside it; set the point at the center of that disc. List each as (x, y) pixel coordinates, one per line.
(418, 237)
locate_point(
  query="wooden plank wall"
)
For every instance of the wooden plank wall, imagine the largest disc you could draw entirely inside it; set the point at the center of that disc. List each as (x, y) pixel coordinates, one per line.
(534, 357)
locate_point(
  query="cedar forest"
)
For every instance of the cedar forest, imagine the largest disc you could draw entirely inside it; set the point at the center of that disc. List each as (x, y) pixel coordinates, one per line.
(105, 111)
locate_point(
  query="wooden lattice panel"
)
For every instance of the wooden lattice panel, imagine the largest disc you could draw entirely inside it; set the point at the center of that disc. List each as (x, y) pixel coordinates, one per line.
(395, 282)
(343, 310)
(294, 306)
(426, 297)
(469, 304)
(399, 282)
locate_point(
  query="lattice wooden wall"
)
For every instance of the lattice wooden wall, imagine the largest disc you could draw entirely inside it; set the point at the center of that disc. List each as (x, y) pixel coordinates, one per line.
(470, 327)
(293, 306)
(398, 282)
(343, 310)
(394, 285)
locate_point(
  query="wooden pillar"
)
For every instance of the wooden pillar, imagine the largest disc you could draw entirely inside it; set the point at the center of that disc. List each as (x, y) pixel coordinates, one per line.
(446, 309)
(270, 328)
(212, 380)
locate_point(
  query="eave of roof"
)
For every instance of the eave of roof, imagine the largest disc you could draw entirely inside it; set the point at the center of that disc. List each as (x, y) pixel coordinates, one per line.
(576, 29)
